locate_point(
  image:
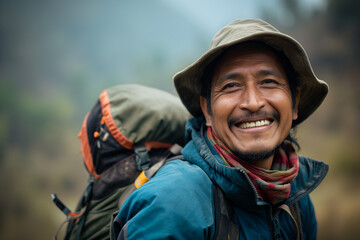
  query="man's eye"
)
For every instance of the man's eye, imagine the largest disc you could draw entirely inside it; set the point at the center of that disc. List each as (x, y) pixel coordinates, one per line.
(269, 81)
(230, 85)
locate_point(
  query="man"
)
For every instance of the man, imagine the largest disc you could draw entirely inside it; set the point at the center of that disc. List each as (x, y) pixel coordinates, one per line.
(246, 94)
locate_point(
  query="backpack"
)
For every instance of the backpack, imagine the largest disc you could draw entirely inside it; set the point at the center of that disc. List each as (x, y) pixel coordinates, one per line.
(130, 129)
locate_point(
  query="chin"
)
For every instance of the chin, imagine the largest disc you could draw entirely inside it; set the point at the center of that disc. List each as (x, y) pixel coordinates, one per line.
(253, 156)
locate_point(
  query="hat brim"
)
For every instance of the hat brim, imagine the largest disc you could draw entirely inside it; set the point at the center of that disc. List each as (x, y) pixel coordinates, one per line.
(312, 90)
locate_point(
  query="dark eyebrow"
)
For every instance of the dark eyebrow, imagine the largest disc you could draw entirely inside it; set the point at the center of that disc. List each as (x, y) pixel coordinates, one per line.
(229, 76)
(269, 72)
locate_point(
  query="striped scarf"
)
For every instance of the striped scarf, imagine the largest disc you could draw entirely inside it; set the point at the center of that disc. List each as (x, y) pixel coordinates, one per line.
(272, 185)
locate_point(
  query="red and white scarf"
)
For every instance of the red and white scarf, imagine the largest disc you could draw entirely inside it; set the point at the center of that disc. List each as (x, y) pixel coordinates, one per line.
(271, 185)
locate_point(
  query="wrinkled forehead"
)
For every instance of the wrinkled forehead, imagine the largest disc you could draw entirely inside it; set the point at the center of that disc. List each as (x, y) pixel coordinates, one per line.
(249, 48)
(254, 52)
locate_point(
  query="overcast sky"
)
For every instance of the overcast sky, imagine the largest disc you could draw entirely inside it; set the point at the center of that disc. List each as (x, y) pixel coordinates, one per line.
(214, 14)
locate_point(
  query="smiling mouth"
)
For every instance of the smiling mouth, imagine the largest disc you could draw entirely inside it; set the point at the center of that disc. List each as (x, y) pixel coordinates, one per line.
(253, 124)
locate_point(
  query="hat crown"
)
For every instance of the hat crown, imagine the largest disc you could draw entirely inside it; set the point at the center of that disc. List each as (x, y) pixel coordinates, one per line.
(240, 29)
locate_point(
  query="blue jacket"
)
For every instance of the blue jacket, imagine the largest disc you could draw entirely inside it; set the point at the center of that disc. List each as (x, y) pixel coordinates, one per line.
(177, 203)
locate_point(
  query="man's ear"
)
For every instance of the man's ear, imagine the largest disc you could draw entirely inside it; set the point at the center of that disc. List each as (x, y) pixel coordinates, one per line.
(205, 110)
(297, 100)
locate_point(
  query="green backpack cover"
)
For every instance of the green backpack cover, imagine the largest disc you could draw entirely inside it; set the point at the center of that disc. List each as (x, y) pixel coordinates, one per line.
(130, 129)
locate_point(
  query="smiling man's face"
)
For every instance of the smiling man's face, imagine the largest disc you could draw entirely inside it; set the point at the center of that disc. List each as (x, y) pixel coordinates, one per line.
(251, 103)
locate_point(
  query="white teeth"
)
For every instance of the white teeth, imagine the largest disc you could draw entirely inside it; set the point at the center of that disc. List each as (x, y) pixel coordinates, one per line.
(255, 124)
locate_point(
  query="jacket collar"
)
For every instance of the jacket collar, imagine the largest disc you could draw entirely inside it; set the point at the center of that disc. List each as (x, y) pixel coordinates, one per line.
(235, 182)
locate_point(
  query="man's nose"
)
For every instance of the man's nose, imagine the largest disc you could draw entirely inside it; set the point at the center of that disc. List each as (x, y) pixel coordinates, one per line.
(251, 99)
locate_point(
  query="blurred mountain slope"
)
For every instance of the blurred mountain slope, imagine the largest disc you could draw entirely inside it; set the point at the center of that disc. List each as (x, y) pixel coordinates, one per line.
(55, 59)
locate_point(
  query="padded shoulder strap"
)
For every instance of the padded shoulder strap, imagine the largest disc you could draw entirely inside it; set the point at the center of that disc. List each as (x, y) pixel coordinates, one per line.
(144, 177)
(224, 227)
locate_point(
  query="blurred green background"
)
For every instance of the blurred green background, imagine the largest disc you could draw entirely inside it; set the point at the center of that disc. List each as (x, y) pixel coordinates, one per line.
(57, 56)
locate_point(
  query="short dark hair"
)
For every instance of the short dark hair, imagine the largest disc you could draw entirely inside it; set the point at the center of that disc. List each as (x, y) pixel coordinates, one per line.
(290, 73)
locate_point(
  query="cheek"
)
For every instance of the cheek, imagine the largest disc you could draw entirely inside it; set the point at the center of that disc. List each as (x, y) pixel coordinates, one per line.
(281, 100)
(221, 112)
(225, 104)
(282, 103)
(286, 113)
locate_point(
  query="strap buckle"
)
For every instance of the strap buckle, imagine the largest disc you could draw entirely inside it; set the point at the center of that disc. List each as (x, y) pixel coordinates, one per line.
(142, 158)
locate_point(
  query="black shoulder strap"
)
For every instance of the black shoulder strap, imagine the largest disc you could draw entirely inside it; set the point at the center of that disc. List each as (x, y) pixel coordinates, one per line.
(224, 227)
(295, 211)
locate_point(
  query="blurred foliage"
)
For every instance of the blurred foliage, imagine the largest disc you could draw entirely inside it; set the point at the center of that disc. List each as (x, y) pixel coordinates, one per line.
(343, 13)
(344, 20)
(43, 101)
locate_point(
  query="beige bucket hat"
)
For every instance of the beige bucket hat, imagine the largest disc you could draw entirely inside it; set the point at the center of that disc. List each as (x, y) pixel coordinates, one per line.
(312, 90)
